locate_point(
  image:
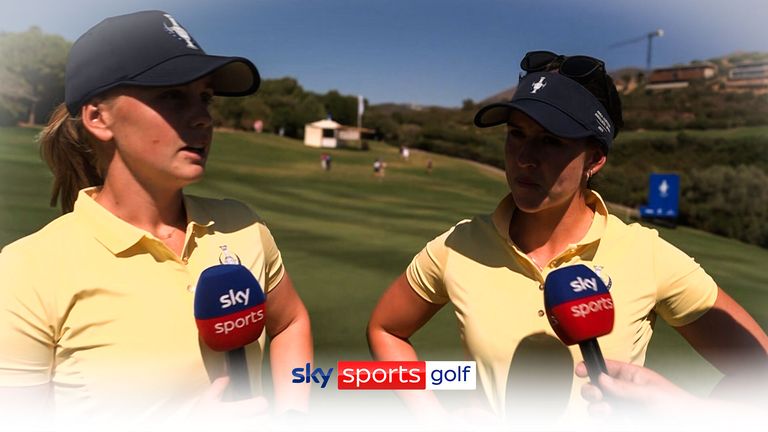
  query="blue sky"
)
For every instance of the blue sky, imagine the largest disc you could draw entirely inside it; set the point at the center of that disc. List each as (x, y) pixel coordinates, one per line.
(426, 52)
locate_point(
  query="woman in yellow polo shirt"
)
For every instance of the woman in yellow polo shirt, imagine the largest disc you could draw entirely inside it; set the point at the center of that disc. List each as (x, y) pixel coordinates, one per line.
(96, 308)
(560, 124)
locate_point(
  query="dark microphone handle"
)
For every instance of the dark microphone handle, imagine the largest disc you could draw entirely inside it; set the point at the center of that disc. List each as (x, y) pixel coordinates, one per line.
(239, 381)
(593, 358)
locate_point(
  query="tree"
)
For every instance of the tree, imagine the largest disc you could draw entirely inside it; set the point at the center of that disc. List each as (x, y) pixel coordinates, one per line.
(342, 109)
(32, 72)
(730, 201)
(290, 107)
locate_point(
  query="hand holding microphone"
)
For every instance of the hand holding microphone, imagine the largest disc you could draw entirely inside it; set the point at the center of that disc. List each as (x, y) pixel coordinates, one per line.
(580, 309)
(230, 314)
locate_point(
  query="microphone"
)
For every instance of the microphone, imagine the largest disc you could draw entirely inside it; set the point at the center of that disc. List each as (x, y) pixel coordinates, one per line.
(229, 313)
(580, 309)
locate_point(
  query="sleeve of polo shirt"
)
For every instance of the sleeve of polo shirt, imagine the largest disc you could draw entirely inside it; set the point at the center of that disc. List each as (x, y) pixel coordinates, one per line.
(273, 260)
(684, 290)
(26, 326)
(425, 273)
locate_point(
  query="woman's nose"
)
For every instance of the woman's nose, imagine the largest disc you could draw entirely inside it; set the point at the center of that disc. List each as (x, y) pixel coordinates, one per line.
(526, 154)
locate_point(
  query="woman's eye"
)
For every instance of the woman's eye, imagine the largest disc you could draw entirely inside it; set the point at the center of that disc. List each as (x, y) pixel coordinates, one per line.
(207, 98)
(517, 133)
(172, 95)
(550, 140)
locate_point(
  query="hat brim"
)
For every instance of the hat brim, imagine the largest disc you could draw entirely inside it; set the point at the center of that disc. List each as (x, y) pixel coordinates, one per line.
(232, 76)
(549, 117)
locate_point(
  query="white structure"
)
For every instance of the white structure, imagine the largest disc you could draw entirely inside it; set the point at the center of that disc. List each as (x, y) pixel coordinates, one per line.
(329, 134)
(322, 133)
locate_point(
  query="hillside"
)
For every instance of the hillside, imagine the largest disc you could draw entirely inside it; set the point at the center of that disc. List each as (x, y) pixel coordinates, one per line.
(346, 234)
(715, 139)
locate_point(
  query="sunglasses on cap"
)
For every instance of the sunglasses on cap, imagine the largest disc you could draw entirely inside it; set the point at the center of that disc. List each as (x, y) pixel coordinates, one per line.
(580, 68)
(575, 67)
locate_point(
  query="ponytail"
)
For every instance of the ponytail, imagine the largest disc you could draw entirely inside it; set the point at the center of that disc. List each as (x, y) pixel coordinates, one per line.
(69, 151)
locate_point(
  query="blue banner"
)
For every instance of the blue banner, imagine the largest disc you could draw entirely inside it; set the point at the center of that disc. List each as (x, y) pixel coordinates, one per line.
(663, 196)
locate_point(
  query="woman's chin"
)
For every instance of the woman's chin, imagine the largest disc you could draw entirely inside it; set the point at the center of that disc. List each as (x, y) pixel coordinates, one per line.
(191, 175)
(529, 201)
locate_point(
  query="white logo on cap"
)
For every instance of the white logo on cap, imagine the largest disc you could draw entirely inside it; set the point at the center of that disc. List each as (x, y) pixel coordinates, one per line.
(603, 125)
(179, 30)
(538, 85)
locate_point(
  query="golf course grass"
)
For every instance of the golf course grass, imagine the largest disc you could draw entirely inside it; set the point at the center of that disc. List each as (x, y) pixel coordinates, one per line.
(345, 234)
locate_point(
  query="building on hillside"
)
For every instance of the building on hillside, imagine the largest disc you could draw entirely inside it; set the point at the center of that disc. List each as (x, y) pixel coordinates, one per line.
(626, 85)
(330, 134)
(752, 76)
(322, 133)
(680, 76)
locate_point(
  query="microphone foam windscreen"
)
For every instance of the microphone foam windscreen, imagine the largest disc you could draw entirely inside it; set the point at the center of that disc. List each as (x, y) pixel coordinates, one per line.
(579, 306)
(229, 307)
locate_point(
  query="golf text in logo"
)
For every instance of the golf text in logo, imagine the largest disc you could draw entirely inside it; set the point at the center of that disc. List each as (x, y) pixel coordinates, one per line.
(227, 326)
(583, 284)
(392, 375)
(233, 298)
(407, 375)
(307, 375)
(583, 309)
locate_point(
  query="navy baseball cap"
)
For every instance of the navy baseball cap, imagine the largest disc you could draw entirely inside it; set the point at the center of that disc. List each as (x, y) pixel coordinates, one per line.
(559, 104)
(148, 48)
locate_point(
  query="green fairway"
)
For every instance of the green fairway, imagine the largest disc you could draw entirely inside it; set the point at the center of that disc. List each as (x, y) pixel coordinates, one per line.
(345, 234)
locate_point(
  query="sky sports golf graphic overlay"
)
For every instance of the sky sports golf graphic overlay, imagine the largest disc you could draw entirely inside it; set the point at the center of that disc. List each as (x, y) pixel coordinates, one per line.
(393, 375)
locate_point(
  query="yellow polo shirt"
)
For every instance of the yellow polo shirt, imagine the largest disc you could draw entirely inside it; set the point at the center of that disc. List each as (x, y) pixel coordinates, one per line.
(497, 295)
(103, 311)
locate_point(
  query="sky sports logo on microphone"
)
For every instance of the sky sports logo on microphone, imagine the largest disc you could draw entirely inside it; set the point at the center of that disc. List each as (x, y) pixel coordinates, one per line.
(393, 375)
(578, 303)
(229, 307)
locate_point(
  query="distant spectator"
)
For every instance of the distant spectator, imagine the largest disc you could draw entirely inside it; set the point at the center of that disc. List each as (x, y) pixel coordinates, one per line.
(429, 166)
(405, 153)
(377, 167)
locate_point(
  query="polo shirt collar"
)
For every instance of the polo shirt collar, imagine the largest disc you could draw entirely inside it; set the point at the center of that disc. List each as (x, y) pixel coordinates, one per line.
(197, 215)
(118, 235)
(502, 217)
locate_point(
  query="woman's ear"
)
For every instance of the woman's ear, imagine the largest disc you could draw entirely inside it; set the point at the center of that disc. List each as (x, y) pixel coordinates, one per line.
(596, 161)
(97, 120)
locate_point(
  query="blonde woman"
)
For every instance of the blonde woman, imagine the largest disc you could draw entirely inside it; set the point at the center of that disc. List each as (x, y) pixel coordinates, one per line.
(96, 308)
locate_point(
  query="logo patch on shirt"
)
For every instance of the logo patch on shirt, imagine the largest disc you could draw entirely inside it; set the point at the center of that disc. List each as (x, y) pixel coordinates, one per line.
(226, 258)
(604, 276)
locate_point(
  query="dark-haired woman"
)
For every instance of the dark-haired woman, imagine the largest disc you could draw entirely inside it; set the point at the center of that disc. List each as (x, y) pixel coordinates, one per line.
(560, 126)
